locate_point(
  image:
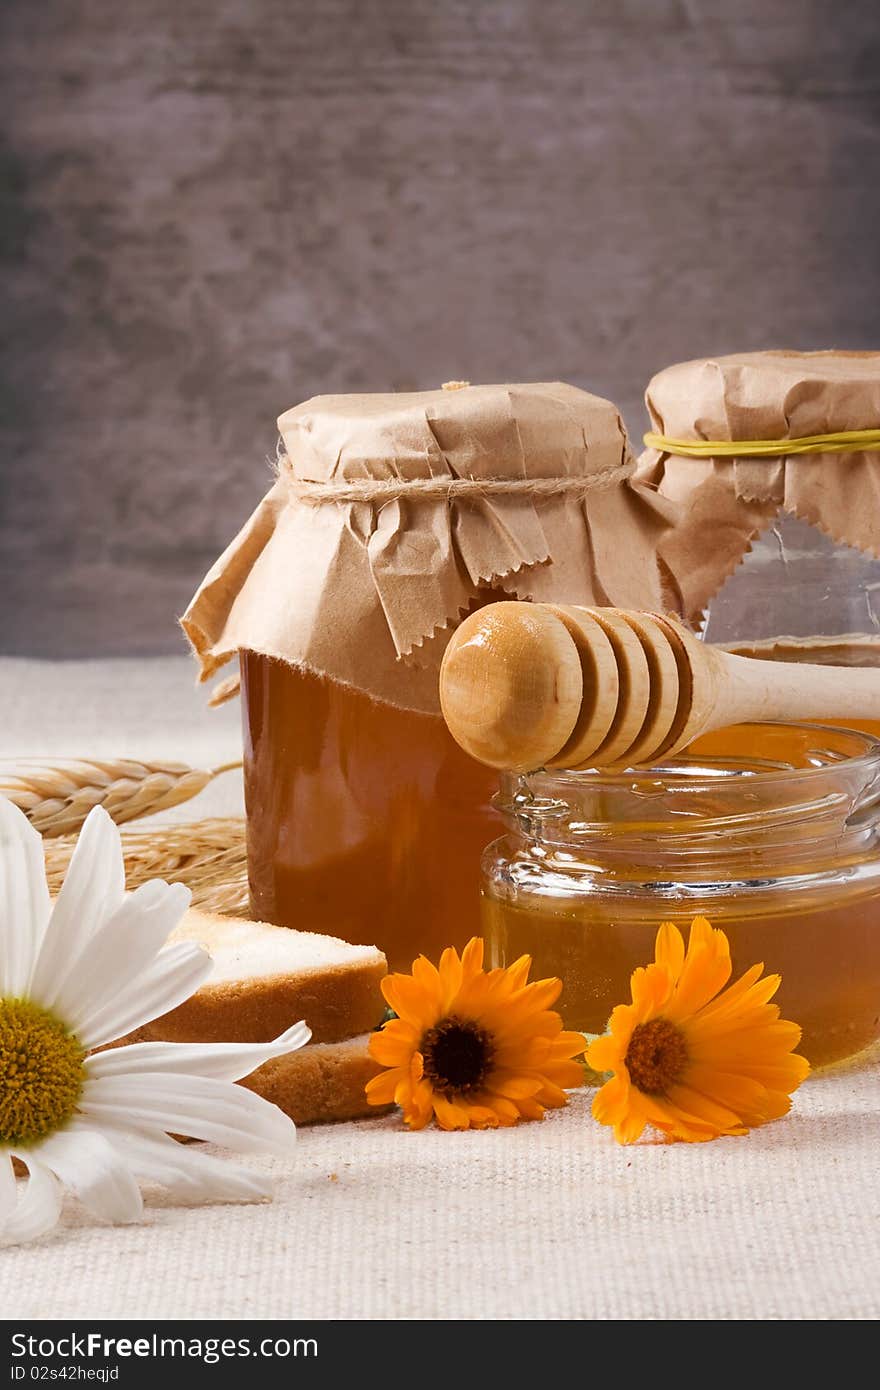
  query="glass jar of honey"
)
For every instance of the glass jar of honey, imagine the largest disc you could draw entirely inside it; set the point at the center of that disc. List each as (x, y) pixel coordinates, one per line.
(391, 518)
(774, 461)
(364, 821)
(771, 831)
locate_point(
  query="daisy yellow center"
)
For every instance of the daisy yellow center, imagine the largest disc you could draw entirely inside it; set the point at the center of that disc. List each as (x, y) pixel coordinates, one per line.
(456, 1055)
(41, 1073)
(657, 1055)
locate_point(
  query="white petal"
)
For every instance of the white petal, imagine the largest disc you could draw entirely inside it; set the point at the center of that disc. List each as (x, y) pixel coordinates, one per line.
(93, 888)
(38, 1209)
(186, 1171)
(24, 898)
(89, 1165)
(7, 1186)
(175, 974)
(120, 951)
(199, 1107)
(223, 1061)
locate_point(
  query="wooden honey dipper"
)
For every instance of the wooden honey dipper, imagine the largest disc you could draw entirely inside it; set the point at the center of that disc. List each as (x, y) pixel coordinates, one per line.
(529, 685)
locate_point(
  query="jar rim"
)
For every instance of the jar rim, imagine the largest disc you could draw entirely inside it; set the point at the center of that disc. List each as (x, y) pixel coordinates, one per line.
(704, 813)
(863, 754)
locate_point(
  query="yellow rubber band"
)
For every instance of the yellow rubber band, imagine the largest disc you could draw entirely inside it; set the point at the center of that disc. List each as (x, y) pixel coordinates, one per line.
(843, 442)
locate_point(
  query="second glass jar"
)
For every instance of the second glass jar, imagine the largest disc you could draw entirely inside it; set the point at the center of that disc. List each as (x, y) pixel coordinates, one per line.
(771, 831)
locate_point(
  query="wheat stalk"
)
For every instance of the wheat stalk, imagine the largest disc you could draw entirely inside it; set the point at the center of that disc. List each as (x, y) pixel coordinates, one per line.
(207, 855)
(57, 796)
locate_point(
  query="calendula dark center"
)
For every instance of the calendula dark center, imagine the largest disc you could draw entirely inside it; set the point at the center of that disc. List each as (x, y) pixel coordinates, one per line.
(457, 1055)
(41, 1073)
(656, 1056)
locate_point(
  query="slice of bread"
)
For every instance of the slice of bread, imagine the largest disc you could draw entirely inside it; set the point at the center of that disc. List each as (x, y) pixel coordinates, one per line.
(265, 978)
(322, 1081)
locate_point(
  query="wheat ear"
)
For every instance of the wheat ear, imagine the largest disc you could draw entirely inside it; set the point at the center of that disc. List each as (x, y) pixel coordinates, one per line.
(207, 855)
(56, 796)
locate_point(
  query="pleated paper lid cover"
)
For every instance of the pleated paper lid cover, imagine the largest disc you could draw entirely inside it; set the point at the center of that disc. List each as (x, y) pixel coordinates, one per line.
(727, 501)
(394, 515)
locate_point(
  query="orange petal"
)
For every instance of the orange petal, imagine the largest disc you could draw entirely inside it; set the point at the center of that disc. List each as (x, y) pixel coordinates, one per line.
(451, 975)
(761, 1042)
(418, 1110)
(421, 1098)
(651, 987)
(403, 1091)
(567, 1074)
(737, 1092)
(427, 975)
(507, 1009)
(517, 1018)
(697, 1106)
(518, 973)
(702, 933)
(571, 1044)
(607, 1053)
(411, 1001)
(773, 1106)
(611, 1101)
(529, 1054)
(630, 1127)
(705, 972)
(674, 1121)
(380, 1089)
(565, 1071)
(531, 1110)
(392, 1048)
(669, 949)
(782, 1074)
(738, 1006)
(450, 1115)
(623, 1020)
(512, 1086)
(551, 1095)
(471, 1000)
(472, 956)
(483, 1116)
(505, 1109)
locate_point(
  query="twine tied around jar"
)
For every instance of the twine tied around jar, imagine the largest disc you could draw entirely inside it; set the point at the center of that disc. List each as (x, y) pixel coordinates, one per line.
(449, 488)
(392, 514)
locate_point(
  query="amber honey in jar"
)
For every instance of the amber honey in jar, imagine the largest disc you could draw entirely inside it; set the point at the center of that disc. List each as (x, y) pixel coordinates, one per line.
(776, 553)
(391, 518)
(364, 820)
(771, 831)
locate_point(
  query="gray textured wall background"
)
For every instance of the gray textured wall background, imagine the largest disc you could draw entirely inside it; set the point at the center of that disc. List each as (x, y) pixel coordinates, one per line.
(216, 208)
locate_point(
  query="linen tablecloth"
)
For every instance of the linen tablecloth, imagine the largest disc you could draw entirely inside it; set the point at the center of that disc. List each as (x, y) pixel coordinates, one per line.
(549, 1220)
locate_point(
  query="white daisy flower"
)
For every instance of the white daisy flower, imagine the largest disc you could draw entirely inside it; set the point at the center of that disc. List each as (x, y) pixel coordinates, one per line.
(82, 973)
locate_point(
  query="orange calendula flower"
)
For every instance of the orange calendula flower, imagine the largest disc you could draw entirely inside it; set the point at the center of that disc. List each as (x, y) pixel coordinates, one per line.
(473, 1048)
(691, 1058)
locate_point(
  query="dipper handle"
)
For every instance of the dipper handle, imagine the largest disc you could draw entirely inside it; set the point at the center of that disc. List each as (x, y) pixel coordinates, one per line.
(529, 685)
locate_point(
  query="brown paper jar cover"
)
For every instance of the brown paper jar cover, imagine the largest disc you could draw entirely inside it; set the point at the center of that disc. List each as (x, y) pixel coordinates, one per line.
(726, 502)
(367, 589)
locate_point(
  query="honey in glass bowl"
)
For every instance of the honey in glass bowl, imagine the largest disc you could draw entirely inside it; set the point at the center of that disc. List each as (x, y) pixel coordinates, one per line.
(770, 831)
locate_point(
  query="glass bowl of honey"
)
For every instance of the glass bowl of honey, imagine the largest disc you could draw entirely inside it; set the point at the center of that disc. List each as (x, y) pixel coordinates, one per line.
(772, 831)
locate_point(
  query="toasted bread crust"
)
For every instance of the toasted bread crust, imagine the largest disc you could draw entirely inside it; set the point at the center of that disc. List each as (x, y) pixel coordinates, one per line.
(320, 1082)
(336, 1002)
